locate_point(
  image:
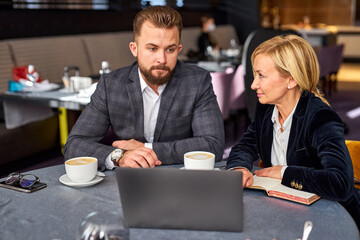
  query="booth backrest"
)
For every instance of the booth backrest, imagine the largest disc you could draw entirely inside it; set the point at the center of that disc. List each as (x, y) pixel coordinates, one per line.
(222, 34)
(50, 55)
(189, 38)
(111, 47)
(6, 65)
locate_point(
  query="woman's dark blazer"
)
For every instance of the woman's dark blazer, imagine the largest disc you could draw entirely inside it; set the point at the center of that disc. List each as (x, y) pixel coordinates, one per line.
(317, 156)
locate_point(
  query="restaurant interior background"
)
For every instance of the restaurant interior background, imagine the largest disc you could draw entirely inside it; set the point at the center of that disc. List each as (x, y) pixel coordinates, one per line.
(32, 18)
(36, 18)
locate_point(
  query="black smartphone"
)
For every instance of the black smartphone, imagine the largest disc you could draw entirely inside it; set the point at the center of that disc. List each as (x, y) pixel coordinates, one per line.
(33, 188)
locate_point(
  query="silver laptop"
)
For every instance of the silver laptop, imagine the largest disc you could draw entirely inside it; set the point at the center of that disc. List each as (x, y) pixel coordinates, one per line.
(181, 199)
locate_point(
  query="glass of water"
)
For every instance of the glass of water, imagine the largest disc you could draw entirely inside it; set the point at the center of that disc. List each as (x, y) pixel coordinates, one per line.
(103, 226)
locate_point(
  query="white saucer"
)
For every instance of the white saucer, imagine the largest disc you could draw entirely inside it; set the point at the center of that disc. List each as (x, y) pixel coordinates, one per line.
(217, 169)
(64, 179)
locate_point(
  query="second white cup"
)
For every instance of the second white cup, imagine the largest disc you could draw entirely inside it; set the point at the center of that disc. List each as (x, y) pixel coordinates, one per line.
(199, 160)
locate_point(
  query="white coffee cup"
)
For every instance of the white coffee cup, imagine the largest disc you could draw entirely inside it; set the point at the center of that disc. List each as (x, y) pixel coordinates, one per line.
(199, 160)
(81, 169)
(77, 83)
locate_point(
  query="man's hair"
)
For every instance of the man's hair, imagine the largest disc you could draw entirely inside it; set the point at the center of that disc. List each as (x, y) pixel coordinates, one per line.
(160, 16)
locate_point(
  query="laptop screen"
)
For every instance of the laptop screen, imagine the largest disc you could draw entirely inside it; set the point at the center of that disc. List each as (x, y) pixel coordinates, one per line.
(181, 199)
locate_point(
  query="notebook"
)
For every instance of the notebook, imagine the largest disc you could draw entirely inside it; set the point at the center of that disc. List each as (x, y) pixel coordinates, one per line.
(169, 198)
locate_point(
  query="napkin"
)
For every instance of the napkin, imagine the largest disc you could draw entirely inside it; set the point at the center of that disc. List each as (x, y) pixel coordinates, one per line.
(87, 92)
(82, 97)
(45, 85)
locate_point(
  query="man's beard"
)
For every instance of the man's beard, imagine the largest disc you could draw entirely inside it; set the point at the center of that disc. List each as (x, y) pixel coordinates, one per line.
(156, 80)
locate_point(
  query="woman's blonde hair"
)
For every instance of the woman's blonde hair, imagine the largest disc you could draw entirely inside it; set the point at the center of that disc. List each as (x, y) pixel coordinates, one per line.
(293, 56)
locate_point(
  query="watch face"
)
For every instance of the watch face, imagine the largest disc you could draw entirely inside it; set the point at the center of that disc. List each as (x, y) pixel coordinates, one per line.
(117, 154)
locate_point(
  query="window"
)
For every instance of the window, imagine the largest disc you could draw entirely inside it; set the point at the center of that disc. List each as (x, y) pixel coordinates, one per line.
(61, 4)
(92, 4)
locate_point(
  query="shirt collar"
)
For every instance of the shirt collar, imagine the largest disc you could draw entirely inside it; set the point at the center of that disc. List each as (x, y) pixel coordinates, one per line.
(144, 85)
(275, 115)
(288, 121)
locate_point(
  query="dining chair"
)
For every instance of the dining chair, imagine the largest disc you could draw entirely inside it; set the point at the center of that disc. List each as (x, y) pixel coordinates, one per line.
(237, 91)
(337, 59)
(324, 55)
(221, 82)
(354, 150)
(330, 59)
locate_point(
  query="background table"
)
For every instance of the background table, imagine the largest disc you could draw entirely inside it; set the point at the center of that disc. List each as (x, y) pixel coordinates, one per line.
(33, 106)
(56, 212)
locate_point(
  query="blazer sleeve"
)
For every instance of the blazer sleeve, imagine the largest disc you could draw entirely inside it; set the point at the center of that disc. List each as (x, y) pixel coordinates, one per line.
(325, 143)
(207, 127)
(90, 128)
(245, 152)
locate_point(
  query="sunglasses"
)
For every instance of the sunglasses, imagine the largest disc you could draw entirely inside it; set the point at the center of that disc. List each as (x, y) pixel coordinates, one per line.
(24, 180)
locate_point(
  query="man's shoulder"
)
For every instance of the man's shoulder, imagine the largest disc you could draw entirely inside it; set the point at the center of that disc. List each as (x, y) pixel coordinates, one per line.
(125, 70)
(123, 73)
(189, 69)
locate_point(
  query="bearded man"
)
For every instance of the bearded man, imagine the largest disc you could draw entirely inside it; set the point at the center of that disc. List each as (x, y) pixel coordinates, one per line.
(158, 108)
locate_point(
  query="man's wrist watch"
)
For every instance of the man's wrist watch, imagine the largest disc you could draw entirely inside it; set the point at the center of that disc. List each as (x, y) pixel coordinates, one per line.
(116, 155)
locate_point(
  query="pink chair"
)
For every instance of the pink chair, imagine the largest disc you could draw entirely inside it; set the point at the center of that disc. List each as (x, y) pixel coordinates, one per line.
(330, 59)
(337, 59)
(221, 82)
(324, 56)
(237, 92)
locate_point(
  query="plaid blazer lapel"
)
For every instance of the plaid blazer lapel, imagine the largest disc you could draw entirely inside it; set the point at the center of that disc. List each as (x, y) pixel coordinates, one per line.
(167, 99)
(133, 89)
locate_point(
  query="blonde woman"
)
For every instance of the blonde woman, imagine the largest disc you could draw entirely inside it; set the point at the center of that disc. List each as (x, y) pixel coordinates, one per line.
(295, 133)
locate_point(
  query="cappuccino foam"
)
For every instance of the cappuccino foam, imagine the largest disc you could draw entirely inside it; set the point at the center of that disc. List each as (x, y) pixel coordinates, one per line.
(81, 161)
(200, 156)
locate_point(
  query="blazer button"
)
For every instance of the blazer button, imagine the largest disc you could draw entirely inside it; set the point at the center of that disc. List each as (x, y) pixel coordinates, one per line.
(300, 186)
(292, 184)
(296, 185)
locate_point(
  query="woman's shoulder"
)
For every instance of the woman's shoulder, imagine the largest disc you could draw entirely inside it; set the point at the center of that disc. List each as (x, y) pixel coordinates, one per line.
(316, 104)
(317, 112)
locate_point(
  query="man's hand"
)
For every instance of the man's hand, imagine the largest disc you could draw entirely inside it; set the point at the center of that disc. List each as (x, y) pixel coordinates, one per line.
(248, 179)
(128, 144)
(139, 157)
(272, 172)
(136, 155)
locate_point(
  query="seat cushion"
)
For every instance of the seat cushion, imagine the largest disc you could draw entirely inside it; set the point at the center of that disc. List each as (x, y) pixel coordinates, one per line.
(354, 150)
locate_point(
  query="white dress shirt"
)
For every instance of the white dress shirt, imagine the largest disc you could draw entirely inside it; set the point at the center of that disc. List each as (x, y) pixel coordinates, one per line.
(280, 139)
(151, 102)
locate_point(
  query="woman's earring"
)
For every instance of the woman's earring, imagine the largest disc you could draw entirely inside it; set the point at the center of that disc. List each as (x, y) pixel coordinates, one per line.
(289, 87)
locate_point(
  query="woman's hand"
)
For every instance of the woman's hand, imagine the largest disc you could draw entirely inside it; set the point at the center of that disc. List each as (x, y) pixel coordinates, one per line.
(248, 179)
(272, 172)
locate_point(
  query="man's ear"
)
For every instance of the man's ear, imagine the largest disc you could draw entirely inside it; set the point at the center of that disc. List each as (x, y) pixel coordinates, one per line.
(179, 48)
(133, 48)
